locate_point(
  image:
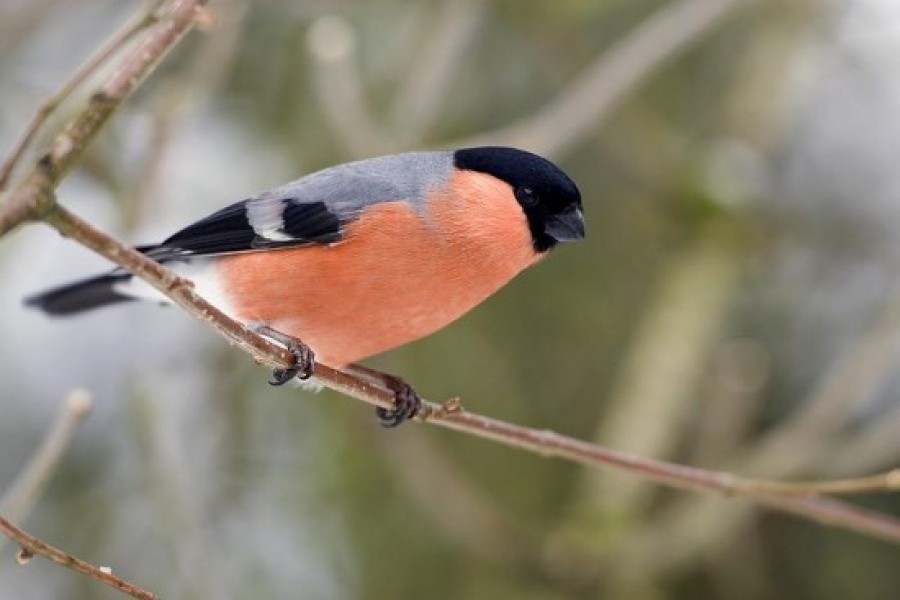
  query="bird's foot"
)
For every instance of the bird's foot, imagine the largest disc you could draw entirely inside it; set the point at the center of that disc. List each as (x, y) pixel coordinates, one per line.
(407, 403)
(304, 358)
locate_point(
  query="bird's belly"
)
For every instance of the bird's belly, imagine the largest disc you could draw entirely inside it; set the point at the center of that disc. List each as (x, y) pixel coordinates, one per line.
(344, 314)
(373, 292)
(342, 327)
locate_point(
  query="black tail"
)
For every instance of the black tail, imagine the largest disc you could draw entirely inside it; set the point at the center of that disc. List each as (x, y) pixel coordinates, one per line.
(81, 296)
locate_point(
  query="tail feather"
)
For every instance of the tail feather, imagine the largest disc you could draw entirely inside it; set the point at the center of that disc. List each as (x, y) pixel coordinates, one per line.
(82, 295)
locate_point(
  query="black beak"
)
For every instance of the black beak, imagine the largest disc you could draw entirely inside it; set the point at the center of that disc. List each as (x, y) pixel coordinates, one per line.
(566, 226)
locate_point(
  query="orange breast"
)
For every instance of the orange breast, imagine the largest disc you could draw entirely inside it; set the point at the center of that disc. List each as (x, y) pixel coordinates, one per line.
(397, 276)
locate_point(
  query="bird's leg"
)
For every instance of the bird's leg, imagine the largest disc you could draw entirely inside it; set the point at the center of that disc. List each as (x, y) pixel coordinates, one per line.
(406, 401)
(304, 358)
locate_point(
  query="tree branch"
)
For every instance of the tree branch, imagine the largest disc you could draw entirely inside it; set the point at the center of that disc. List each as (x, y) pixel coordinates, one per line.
(34, 196)
(50, 104)
(33, 546)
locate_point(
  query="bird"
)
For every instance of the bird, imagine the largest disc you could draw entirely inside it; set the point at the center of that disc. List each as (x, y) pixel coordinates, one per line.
(359, 258)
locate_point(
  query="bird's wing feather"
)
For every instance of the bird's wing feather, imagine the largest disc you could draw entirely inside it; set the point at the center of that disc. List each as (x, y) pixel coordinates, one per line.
(312, 210)
(255, 224)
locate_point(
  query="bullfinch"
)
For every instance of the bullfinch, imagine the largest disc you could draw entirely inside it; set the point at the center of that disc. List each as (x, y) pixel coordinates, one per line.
(362, 257)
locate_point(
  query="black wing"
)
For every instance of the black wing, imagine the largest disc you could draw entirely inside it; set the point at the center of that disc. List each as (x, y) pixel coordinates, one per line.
(255, 224)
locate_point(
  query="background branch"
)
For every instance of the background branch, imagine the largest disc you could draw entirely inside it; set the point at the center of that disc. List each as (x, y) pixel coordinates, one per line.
(580, 108)
(34, 195)
(33, 546)
(417, 104)
(339, 89)
(31, 481)
(50, 104)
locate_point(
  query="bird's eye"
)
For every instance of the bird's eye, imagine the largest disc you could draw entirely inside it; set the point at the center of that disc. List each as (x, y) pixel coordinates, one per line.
(527, 196)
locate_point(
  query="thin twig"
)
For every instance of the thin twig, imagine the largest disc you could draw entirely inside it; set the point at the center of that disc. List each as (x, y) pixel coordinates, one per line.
(106, 52)
(857, 485)
(550, 444)
(31, 481)
(33, 546)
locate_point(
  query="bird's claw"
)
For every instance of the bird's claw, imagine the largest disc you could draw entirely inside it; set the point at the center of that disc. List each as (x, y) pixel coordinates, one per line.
(303, 368)
(407, 403)
(304, 358)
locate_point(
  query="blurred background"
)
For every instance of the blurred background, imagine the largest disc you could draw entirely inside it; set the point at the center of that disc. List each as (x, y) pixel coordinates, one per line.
(733, 306)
